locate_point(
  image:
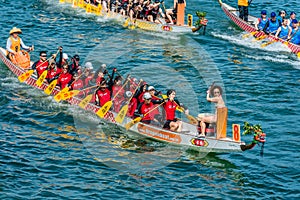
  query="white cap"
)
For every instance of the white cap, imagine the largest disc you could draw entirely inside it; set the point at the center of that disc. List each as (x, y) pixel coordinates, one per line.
(65, 56)
(89, 65)
(147, 95)
(151, 88)
(128, 94)
(103, 66)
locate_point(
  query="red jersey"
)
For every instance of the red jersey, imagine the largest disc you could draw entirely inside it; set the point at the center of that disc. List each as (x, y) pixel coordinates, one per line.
(146, 108)
(99, 80)
(87, 80)
(52, 72)
(117, 104)
(103, 96)
(170, 108)
(141, 97)
(64, 79)
(41, 67)
(132, 107)
(115, 90)
(77, 85)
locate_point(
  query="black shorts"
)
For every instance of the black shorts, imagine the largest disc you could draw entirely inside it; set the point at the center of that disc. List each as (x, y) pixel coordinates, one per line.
(167, 124)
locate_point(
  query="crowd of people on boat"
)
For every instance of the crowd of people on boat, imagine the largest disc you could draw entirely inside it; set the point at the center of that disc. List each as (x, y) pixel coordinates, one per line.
(153, 11)
(281, 25)
(143, 100)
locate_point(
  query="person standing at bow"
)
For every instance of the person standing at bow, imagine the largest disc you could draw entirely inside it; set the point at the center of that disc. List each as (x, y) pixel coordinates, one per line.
(243, 9)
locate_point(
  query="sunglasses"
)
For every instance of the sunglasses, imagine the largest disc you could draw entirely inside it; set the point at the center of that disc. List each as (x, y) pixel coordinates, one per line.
(148, 99)
(43, 55)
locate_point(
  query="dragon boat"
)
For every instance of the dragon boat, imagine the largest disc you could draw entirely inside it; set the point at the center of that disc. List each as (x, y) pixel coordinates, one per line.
(233, 14)
(179, 27)
(216, 139)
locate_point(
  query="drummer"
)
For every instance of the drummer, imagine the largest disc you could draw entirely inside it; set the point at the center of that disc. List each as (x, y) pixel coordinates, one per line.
(14, 42)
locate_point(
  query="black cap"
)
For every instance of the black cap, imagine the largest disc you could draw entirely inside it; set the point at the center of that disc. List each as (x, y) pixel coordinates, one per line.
(76, 57)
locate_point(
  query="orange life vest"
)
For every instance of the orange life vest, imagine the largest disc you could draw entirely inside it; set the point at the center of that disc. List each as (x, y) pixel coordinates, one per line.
(15, 44)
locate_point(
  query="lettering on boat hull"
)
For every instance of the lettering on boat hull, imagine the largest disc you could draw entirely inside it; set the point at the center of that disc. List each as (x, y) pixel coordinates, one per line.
(159, 134)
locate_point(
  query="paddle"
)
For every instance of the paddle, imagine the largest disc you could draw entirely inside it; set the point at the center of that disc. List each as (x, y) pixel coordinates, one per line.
(138, 119)
(87, 99)
(50, 87)
(126, 22)
(23, 77)
(68, 95)
(105, 108)
(59, 95)
(249, 34)
(121, 115)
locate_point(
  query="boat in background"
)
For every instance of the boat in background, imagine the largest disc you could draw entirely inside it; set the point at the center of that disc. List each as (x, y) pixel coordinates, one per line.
(233, 14)
(216, 139)
(180, 27)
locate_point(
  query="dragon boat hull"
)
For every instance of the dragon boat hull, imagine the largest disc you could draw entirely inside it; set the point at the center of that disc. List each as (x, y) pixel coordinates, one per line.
(233, 14)
(187, 138)
(142, 24)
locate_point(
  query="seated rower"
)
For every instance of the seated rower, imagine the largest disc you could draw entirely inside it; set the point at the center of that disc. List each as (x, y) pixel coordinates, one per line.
(292, 17)
(295, 35)
(42, 64)
(216, 92)
(281, 16)
(144, 108)
(261, 22)
(170, 105)
(64, 78)
(284, 30)
(153, 12)
(272, 24)
(74, 67)
(102, 94)
(13, 47)
(132, 105)
(53, 71)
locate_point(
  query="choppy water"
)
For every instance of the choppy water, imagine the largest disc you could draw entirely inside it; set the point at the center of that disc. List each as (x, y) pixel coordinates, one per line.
(46, 152)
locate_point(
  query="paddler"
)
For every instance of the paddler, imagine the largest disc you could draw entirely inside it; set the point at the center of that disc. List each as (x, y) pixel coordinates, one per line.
(261, 22)
(14, 42)
(172, 123)
(295, 35)
(272, 24)
(284, 30)
(42, 64)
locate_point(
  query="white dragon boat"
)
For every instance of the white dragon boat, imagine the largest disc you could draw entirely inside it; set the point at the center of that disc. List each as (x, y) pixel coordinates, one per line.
(216, 141)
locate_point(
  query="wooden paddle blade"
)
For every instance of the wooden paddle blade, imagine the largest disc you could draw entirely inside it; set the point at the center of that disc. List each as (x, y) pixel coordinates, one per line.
(50, 87)
(192, 119)
(85, 101)
(132, 122)
(249, 34)
(23, 77)
(41, 79)
(60, 94)
(267, 43)
(121, 115)
(104, 109)
(260, 37)
(68, 95)
(126, 22)
(298, 54)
